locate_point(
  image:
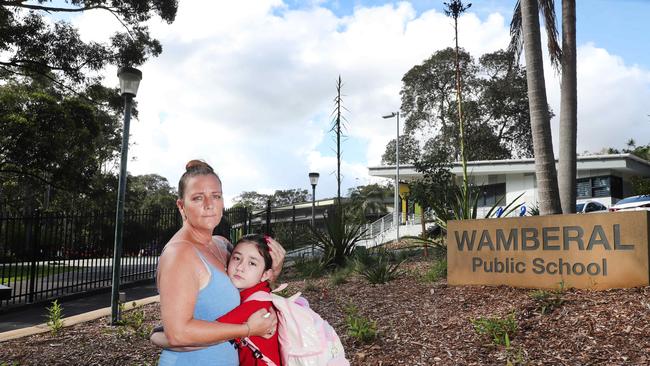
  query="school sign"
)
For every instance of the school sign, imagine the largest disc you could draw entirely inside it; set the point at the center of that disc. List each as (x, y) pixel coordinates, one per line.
(594, 251)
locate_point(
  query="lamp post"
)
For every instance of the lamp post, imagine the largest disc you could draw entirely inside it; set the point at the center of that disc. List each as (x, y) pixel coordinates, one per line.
(129, 82)
(313, 179)
(396, 218)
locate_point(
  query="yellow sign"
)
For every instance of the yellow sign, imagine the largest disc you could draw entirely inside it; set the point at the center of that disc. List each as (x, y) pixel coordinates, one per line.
(594, 251)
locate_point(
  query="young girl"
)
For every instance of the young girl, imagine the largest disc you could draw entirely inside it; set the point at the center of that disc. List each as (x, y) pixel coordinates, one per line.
(249, 270)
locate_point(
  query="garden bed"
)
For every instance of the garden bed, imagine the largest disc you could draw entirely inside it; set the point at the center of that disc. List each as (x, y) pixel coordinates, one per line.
(418, 323)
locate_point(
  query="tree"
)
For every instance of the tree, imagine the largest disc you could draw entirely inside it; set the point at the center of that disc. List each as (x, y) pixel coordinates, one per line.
(258, 201)
(290, 196)
(409, 150)
(337, 128)
(546, 175)
(32, 45)
(368, 202)
(51, 140)
(251, 200)
(495, 107)
(568, 110)
(454, 9)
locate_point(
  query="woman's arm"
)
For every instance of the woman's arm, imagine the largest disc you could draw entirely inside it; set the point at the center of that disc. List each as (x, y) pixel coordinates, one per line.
(178, 284)
(277, 253)
(238, 315)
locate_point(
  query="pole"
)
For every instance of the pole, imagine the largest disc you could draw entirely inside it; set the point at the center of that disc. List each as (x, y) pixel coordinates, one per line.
(397, 201)
(119, 215)
(313, 213)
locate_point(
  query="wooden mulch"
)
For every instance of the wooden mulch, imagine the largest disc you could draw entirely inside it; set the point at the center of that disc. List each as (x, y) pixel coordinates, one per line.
(419, 323)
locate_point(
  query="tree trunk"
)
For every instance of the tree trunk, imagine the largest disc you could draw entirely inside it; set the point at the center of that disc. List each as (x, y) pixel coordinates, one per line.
(546, 175)
(568, 110)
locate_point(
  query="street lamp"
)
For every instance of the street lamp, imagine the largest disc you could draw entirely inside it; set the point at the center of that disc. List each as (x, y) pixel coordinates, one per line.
(129, 82)
(396, 217)
(313, 179)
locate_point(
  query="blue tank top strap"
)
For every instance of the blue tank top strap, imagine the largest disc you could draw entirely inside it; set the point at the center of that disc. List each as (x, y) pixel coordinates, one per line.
(205, 261)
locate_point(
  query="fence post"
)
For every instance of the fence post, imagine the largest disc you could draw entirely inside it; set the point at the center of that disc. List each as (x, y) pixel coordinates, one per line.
(33, 229)
(268, 217)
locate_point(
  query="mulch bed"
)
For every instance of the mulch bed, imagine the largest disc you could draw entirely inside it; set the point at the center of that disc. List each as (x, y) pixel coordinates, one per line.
(419, 323)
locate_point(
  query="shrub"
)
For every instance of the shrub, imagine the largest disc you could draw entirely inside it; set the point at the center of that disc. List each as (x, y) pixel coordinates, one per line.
(341, 276)
(500, 330)
(309, 267)
(54, 317)
(132, 322)
(383, 270)
(437, 271)
(360, 328)
(339, 238)
(547, 300)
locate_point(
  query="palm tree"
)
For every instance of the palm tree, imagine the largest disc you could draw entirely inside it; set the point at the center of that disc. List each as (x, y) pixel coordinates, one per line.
(568, 110)
(529, 35)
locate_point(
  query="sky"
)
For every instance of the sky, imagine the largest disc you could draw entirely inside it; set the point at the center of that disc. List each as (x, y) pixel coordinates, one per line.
(248, 86)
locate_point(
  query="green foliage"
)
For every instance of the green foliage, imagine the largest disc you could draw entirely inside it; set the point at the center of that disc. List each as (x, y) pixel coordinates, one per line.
(31, 43)
(360, 328)
(341, 276)
(308, 267)
(494, 105)
(464, 207)
(339, 238)
(409, 150)
(437, 245)
(548, 300)
(133, 322)
(259, 201)
(55, 318)
(383, 270)
(368, 203)
(437, 271)
(292, 236)
(499, 329)
(640, 185)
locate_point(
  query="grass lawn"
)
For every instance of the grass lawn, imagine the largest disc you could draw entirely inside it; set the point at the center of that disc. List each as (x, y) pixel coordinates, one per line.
(20, 272)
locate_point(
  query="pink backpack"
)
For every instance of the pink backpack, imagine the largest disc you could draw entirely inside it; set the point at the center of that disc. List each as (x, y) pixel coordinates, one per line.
(305, 338)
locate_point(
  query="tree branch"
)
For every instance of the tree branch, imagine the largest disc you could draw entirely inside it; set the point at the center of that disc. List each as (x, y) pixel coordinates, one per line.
(32, 175)
(21, 4)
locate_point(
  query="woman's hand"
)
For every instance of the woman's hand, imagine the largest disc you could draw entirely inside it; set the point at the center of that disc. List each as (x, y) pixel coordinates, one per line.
(277, 253)
(262, 323)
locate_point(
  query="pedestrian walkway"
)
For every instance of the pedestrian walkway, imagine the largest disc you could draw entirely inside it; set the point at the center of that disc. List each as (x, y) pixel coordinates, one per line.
(35, 315)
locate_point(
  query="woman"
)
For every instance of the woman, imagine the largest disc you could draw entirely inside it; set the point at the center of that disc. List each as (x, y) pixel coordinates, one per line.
(194, 289)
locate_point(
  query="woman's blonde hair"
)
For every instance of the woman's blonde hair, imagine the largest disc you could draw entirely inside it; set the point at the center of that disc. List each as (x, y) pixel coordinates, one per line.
(194, 168)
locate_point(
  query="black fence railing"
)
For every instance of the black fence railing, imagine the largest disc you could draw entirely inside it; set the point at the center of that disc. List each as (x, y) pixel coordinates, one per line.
(45, 255)
(290, 224)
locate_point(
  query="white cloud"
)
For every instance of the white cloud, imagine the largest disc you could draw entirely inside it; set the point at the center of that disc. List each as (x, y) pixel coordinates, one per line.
(249, 87)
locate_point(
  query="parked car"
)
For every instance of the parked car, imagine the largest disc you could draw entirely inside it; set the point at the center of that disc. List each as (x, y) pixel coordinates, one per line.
(590, 207)
(641, 202)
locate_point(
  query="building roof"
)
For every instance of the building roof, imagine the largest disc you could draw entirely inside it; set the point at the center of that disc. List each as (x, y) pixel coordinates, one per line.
(624, 163)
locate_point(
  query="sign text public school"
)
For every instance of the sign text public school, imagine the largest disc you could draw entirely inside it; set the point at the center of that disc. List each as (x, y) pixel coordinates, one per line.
(587, 251)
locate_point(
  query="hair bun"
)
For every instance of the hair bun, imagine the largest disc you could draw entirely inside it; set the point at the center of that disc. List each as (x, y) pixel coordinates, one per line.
(197, 165)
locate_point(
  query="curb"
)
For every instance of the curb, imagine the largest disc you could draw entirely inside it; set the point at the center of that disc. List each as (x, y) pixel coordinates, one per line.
(76, 319)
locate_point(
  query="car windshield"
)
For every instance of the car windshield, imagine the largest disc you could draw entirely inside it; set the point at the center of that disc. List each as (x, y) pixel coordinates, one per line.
(579, 207)
(641, 198)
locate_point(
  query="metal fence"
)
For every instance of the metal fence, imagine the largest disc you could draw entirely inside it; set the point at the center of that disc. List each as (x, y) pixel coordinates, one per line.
(45, 255)
(290, 225)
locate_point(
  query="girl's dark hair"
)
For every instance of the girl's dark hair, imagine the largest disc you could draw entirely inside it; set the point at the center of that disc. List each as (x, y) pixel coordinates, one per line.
(192, 169)
(262, 247)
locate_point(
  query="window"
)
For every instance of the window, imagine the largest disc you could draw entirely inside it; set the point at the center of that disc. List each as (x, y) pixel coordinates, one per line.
(604, 186)
(490, 194)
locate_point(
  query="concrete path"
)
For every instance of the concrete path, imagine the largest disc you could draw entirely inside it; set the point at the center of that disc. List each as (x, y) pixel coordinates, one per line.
(35, 315)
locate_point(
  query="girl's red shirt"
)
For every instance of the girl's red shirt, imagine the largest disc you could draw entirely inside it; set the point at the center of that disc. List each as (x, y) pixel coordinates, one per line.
(269, 347)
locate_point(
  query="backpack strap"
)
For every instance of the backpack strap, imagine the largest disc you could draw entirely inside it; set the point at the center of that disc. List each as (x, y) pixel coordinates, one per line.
(246, 342)
(260, 296)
